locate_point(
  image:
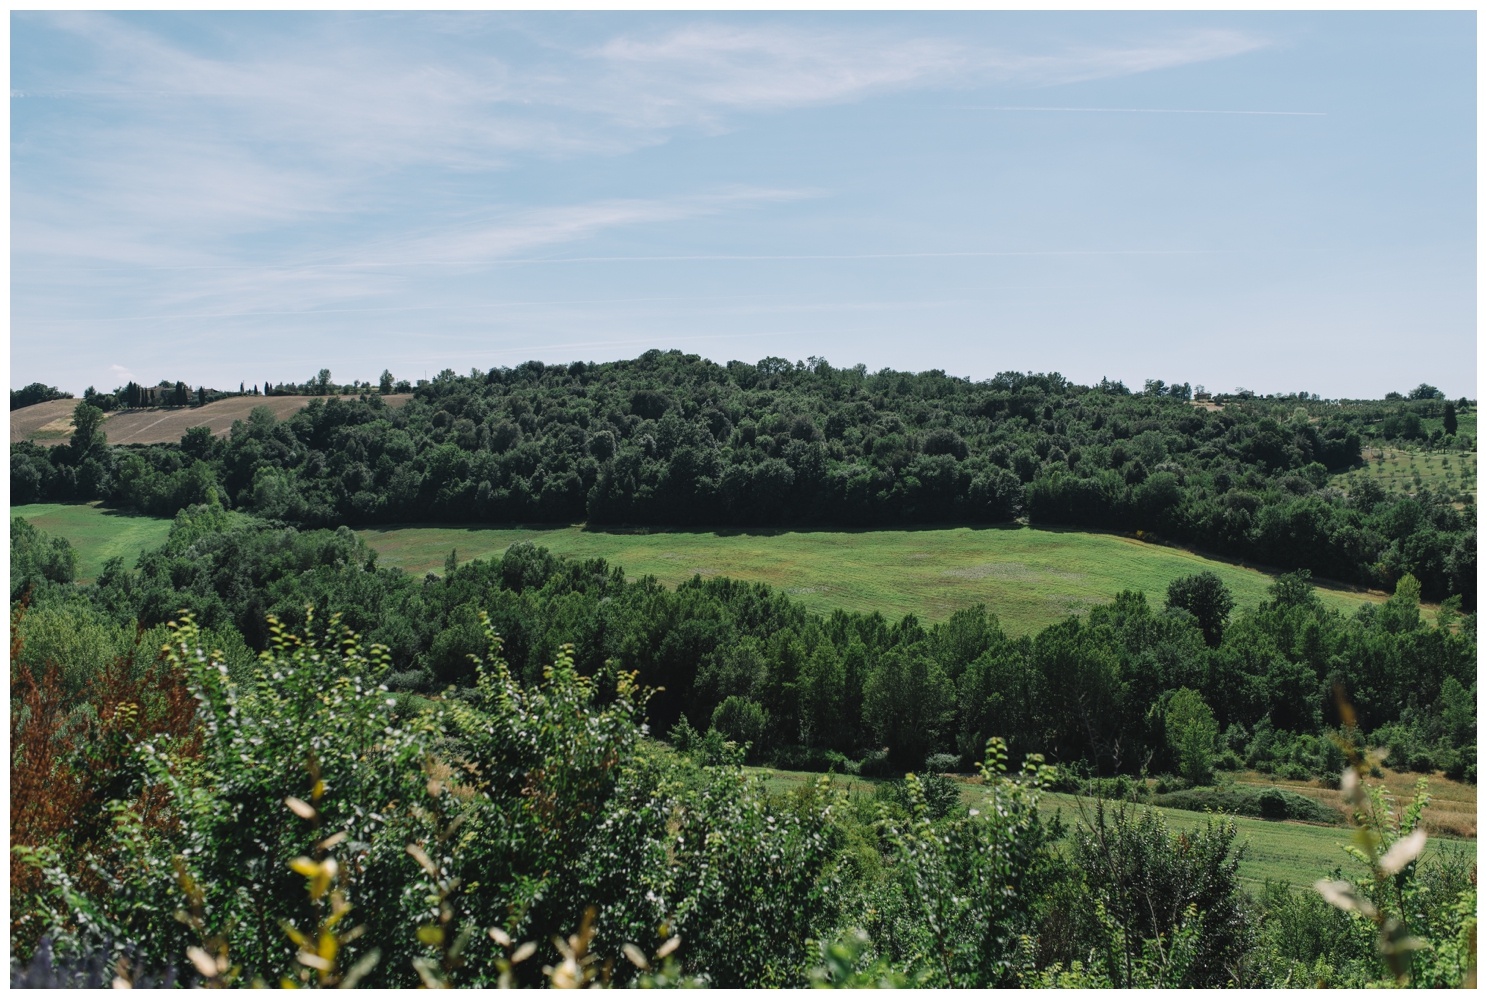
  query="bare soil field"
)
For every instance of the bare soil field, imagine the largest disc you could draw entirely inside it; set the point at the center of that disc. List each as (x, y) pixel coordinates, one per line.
(51, 422)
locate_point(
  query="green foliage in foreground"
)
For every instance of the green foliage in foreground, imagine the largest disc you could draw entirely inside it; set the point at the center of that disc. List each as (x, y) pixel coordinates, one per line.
(308, 830)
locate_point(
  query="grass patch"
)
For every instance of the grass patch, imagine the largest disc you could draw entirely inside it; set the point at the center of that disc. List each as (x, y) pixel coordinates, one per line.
(1403, 471)
(97, 533)
(1030, 577)
(1293, 852)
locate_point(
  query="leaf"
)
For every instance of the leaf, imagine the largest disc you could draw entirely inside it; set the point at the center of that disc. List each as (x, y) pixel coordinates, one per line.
(305, 866)
(1345, 897)
(1403, 852)
(360, 969)
(313, 961)
(666, 948)
(431, 935)
(416, 852)
(500, 936)
(303, 809)
(332, 841)
(523, 952)
(203, 962)
(637, 956)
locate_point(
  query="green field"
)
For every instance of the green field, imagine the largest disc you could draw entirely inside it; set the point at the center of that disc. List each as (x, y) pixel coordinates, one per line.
(1029, 577)
(1407, 471)
(98, 534)
(1293, 852)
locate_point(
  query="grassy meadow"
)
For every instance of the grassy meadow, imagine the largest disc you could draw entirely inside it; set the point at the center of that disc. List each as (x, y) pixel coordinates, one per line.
(97, 533)
(1296, 853)
(1030, 577)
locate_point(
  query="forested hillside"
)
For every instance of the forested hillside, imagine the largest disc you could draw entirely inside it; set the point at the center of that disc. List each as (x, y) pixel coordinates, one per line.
(675, 439)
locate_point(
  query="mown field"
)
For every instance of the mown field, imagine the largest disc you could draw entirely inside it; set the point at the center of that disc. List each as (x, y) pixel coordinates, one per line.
(1029, 577)
(98, 534)
(1296, 853)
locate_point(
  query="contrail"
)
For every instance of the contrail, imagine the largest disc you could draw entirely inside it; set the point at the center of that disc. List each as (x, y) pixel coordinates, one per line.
(1304, 114)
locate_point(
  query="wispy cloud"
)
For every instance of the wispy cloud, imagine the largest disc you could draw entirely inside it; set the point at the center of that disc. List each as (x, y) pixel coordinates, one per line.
(259, 164)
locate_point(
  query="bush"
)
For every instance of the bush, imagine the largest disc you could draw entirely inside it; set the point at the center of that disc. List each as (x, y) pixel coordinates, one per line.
(1464, 763)
(559, 803)
(1229, 760)
(940, 794)
(1142, 883)
(742, 721)
(1293, 771)
(810, 759)
(940, 763)
(1422, 763)
(1272, 803)
(877, 764)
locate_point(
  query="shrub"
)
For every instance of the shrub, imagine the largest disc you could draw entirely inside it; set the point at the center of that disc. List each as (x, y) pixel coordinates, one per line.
(1273, 803)
(940, 763)
(1158, 908)
(741, 720)
(1464, 763)
(969, 884)
(940, 794)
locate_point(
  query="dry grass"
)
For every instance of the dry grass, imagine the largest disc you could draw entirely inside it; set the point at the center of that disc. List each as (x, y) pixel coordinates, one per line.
(24, 423)
(51, 422)
(1453, 804)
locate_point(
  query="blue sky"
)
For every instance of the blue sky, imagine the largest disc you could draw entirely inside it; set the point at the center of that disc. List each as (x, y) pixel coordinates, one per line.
(239, 197)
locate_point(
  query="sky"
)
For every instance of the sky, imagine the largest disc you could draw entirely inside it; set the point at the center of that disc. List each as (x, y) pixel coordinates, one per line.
(1275, 201)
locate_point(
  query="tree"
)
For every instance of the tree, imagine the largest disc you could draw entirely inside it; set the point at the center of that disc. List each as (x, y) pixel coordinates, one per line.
(1424, 391)
(1191, 733)
(322, 380)
(1205, 597)
(34, 393)
(741, 720)
(384, 385)
(86, 428)
(1448, 417)
(908, 701)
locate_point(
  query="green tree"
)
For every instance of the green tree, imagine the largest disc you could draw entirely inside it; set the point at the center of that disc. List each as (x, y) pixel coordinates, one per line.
(1192, 732)
(87, 429)
(909, 701)
(1205, 597)
(1448, 417)
(384, 385)
(36, 556)
(741, 720)
(823, 694)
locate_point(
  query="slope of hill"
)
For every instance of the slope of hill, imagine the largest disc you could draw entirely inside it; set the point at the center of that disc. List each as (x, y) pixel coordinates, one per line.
(51, 422)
